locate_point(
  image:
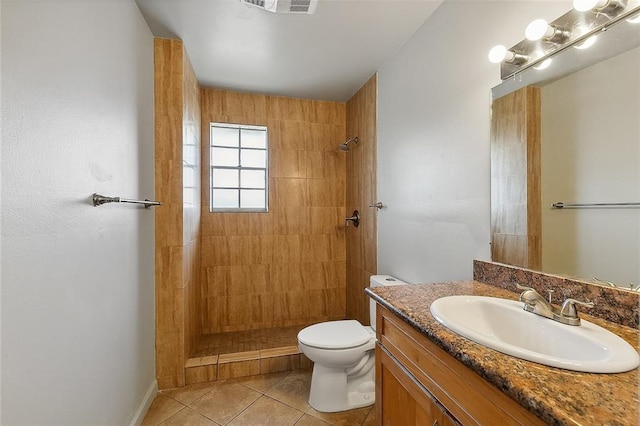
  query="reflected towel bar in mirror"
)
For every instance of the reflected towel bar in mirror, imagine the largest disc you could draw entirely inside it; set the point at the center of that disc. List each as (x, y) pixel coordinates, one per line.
(561, 205)
(99, 200)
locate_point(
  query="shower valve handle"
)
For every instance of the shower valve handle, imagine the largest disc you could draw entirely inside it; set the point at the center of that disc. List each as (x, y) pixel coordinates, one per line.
(355, 218)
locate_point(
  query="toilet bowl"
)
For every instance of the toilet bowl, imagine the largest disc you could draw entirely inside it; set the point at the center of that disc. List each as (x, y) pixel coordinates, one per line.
(343, 357)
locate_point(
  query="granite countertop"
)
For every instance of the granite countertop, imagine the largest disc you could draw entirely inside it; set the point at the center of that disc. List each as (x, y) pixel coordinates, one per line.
(555, 395)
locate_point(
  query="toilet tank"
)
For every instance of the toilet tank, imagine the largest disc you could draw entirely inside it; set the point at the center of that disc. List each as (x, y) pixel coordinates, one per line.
(380, 281)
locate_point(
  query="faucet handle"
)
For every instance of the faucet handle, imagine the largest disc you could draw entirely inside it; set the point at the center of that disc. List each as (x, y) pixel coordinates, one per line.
(522, 287)
(569, 307)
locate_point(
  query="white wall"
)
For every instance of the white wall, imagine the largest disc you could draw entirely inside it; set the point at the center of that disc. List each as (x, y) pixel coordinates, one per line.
(591, 153)
(433, 138)
(77, 281)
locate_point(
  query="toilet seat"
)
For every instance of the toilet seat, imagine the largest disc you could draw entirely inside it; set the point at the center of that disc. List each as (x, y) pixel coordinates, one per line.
(335, 335)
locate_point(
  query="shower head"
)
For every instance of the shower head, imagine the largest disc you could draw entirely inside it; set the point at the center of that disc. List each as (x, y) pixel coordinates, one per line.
(345, 146)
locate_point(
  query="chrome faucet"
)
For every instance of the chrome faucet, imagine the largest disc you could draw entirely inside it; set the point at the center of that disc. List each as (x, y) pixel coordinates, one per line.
(535, 303)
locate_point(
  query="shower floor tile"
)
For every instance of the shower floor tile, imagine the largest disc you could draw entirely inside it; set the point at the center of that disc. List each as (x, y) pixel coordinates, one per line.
(247, 341)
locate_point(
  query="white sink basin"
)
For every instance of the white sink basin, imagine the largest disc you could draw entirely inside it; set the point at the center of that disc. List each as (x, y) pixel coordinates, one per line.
(503, 325)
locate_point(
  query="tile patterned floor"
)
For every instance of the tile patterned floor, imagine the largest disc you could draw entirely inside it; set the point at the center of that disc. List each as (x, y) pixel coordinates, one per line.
(249, 340)
(278, 399)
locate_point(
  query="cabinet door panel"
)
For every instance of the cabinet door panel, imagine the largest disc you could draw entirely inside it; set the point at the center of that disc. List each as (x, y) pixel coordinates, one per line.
(404, 402)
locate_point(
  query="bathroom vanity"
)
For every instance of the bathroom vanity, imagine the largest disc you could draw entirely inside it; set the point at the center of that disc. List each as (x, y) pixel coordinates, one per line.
(428, 375)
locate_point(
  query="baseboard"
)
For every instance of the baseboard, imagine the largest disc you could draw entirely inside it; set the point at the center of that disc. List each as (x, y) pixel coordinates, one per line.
(144, 405)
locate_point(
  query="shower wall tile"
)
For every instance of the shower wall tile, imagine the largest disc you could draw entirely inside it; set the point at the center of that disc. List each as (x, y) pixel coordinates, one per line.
(287, 266)
(169, 217)
(287, 163)
(326, 220)
(288, 192)
(170, 307)
(169, 357)
(177, 220)
(361, 245)
(290, 220)
(326, 192)
(326, 164)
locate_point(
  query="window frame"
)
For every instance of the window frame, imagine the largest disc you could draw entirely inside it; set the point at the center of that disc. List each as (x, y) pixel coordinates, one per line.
(239, 168)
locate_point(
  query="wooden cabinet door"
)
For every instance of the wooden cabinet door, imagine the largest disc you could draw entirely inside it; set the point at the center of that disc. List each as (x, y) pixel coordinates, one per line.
(402, 401)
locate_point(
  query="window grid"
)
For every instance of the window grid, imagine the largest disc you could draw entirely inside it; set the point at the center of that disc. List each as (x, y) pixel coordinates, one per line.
(239, 168)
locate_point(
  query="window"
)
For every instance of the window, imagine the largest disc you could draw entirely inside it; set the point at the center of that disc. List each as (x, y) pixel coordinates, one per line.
(238, 178)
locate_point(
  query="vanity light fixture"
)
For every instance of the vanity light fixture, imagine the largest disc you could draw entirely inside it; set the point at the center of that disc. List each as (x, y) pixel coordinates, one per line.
(541, 30)
(577, 28)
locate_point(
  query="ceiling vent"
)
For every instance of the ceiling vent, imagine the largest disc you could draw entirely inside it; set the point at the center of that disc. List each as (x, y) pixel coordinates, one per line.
(307, 7)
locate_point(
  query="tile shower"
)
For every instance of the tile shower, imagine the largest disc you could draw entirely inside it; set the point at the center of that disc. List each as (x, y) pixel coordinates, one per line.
(233, 289)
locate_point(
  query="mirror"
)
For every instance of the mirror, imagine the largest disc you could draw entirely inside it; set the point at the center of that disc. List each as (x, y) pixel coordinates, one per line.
(589, 142)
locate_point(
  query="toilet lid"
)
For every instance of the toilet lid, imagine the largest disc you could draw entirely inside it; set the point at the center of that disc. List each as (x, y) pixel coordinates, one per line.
(335, 335)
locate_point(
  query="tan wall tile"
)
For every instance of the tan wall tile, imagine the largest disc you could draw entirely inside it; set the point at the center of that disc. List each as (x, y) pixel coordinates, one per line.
(168, 276)
(238, 369)
(288, 192)
(291, 220)
(170, 310)
(326, 220)
(168, 218)
(171, 382)
(286, 277)
(316, 248)
(287, 163)
(169, 357)
(286, 248)
(280, 363)
(251, 224)
(168, 175)
(326, 192)
(208, 373)
(218, 224)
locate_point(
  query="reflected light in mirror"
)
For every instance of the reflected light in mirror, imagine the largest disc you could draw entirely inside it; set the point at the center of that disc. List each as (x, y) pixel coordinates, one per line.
(587, 43)
(545, 64)
(634, 20)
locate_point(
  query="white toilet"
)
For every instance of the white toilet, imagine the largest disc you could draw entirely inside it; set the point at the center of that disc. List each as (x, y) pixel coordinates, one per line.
(343, 356)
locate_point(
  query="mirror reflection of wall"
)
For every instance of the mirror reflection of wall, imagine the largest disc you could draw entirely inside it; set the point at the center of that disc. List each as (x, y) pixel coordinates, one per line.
(591, 153)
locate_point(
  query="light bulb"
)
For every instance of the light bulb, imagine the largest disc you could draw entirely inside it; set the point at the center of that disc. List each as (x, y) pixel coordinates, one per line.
(538, 29)
(497, 54)
(544, 64)
(585, 5)
(587, 43)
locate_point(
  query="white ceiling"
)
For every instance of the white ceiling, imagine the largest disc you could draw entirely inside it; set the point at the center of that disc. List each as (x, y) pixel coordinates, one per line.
(327, 56)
